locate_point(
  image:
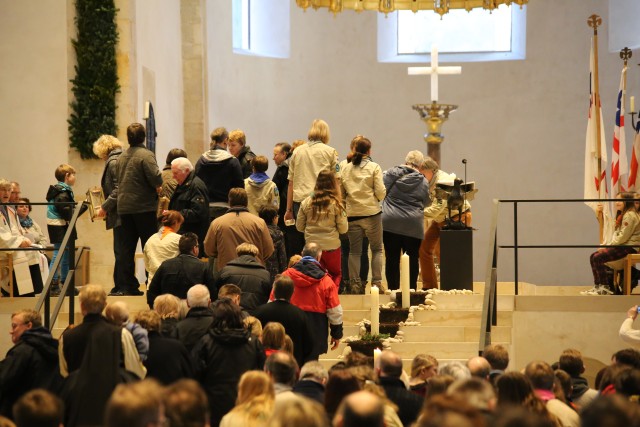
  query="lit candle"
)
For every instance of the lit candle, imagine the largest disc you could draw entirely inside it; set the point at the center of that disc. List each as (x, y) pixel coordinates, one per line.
(375, 310)
(632, 104)
(376, 358)
(404, 280)
(434, 73)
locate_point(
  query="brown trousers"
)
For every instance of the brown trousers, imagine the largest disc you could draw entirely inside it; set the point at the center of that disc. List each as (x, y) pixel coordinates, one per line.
(431, 246)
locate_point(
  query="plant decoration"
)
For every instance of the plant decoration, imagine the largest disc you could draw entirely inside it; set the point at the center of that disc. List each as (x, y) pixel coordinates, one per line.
(93, 111)
(368, 337)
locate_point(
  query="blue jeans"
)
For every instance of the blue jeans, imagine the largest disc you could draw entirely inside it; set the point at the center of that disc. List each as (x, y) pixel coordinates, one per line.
(63, 269)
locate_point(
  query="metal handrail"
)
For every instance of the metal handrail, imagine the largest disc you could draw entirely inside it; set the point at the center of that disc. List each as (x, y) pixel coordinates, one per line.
(489, 307)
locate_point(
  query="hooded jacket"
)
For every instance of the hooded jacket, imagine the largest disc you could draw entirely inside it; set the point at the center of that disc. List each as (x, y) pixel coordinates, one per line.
(407, 196)
(31, 363)
(220, 172)
(60, 213)
(252, 277)
(221, 357)
(261, 191)
(315, 293)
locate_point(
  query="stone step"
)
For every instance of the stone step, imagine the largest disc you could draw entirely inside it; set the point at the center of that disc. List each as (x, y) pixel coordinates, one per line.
(458, 317)
(453, 333)
(351, 317)
(471, 302)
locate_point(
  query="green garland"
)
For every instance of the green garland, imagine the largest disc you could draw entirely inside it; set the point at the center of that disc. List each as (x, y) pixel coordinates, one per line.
(93, 112)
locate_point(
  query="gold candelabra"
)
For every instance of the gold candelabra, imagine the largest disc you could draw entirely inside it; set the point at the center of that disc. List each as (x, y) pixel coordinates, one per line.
(434, 115)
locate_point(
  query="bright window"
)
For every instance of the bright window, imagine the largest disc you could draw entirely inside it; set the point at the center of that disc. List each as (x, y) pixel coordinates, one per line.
(261, 28)
(461, 36)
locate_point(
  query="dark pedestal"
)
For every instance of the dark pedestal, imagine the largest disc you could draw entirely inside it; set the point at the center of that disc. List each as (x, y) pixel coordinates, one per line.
(456, 259)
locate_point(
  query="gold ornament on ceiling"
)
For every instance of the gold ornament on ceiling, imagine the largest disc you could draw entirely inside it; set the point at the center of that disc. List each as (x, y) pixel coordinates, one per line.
(387, 6)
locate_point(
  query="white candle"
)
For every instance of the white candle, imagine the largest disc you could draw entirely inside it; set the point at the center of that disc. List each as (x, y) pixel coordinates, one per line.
(632, 104)
(404, 280)
(375, 311)
(434, 73)
(376, 358)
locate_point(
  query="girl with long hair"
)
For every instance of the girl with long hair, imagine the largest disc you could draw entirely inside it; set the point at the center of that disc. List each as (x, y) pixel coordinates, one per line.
(255, 401)
(322, 218)
(627, 232)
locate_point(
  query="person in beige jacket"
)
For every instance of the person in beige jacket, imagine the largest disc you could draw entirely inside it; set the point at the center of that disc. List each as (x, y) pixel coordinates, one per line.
(322, 219)
(261, 190)
(364, 190)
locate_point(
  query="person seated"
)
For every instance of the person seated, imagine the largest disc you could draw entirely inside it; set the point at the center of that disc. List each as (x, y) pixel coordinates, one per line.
(627, 232)
(32, 230)
(176, 275)
(248, 273)
(163, 245)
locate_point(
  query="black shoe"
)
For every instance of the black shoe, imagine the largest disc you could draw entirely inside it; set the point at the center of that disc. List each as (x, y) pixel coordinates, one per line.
(115, 293)
(133, 293)
(54, 291)
(113, 290)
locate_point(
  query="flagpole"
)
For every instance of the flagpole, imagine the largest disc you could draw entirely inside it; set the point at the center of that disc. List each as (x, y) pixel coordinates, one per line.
(625, 54)
(594, 22)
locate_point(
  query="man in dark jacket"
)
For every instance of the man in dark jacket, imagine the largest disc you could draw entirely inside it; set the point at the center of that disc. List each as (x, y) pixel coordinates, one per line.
(139, 181)
(389, 372)
(31, 363)
(199, 317)
(249, 275)
(281, 155)
(291, 317)
(190, 198)
(177, 275)
(220, 171)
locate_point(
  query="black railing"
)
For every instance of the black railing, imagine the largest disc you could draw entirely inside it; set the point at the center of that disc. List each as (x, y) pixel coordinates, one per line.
(489, 307)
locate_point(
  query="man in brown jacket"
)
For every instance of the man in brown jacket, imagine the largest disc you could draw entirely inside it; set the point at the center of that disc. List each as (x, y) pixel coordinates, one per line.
(237, 226)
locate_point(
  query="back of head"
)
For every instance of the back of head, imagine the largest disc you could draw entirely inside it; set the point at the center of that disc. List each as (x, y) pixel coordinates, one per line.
(295, 411)
(186, 404)
(282, 367)
(319, 131)
(229, 291)
(226, 315)
(136, 134)
(341, 383)
(167, 305)
(449, 411)
(187, 242)
(390, 364)
(429, 164)
(260, 164)
(540, 374)
(414, 159)
(361, 408)
(247, 249)
(610, 411)
(421, 362)
(105, 145)
(313, 250)
(497, 356)
(175, 153)
(172, 219)
(38, 408)
(479, 367)
(198, 296)
(267, 213)
(475, 391)
(314, 370)
(514, 388)
(253, 384)
(238, 197)
(438, 384)
(219, 135)
(117, 312)
(182, 163)
(273, 336)
(361, 147)
(457, 370)
(283, 288)
(134, 405)
(62, 171)
(149, 320)
(627, 356)
(571, 362)
(93, 299)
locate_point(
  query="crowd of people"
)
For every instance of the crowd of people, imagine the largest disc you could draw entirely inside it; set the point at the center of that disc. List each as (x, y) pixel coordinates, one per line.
(221, 366)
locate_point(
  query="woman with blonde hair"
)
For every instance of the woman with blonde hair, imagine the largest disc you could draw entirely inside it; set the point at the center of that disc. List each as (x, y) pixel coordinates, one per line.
(322, 219)
(273, 338)
(163, 245)
(423, 367)
(168, 307)
(255, 401)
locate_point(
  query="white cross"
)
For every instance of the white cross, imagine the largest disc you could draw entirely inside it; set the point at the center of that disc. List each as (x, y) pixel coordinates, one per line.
(434, 71)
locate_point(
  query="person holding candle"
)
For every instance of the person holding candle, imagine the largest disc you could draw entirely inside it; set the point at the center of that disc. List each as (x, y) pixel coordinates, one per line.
(402, 217)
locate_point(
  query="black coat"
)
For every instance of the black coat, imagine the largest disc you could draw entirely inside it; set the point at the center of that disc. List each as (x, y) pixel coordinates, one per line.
(176, 275)
(220, 172)
(251, 276)
(109, 183)
(31, 363)
(168, 359)
(221, 357)
(295, 325)
(191, 199)
(61, 197)
(311, 389)
(409, 404)
(245, 157)
(281, 179)
(193, 327)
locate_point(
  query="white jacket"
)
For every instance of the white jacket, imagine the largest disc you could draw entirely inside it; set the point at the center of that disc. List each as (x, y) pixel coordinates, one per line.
(363, 187)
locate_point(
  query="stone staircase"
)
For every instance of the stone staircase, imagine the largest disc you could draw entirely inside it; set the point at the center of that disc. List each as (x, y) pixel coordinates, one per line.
(452, 332)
